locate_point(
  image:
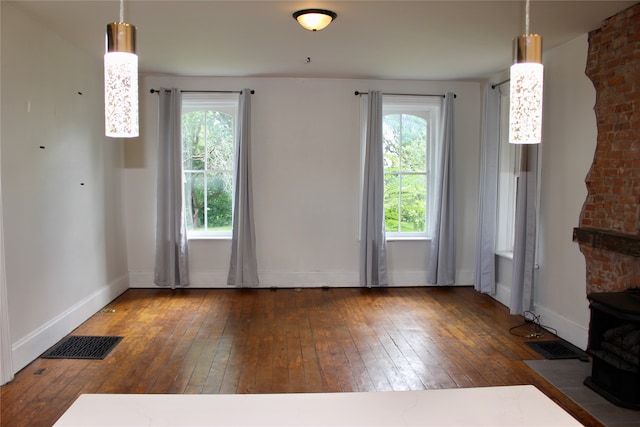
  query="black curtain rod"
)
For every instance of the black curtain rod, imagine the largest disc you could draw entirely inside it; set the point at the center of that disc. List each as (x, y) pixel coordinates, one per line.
(495, 85)
(406, 94)
(203, 91)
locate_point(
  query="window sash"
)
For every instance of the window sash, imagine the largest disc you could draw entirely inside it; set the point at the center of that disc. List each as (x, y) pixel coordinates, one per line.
(427, 108)
(226, 104)
(508, 174)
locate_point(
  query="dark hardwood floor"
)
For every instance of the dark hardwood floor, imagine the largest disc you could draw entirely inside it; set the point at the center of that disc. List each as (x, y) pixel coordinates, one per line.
(286, 340)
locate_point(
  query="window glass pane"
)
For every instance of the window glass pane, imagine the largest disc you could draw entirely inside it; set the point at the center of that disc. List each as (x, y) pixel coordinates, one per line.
(391, 142)
(414, 143)
(508, 171)
(219, 141)
(413, 207)
(219, 212)
(392, 196)
(193, 140)
(194, 200)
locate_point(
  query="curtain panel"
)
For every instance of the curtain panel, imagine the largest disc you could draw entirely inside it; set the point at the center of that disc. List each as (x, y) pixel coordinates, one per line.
(441, 262)
(171, 264)
(485, 274)
(243, 268)
(525, 232)
(373, 251)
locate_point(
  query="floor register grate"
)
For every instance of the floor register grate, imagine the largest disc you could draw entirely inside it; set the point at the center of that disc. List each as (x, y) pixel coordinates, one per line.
(556, 349)
(82, 347)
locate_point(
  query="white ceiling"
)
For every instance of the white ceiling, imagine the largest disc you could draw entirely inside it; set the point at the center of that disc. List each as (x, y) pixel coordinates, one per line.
(429, 40)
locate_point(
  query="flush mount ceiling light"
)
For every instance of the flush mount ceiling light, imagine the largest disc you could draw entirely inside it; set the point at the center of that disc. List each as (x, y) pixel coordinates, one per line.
(525, 114)
(314, 19)
(121, 80)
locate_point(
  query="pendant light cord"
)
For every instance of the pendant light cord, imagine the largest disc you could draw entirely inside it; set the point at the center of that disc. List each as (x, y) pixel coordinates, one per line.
(526, 17)
(122, 10)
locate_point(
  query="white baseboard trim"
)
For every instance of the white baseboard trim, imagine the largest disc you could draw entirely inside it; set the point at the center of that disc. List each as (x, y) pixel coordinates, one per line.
(204, 280)
(567, 329)
(268, 279)
(295, 279)
(29, 348)
(309, 279)
(465, 277)
(138, 279)
(503, 294)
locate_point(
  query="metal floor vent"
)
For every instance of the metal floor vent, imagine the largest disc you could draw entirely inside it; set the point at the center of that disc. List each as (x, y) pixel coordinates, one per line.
(556, 349)
(82, 347)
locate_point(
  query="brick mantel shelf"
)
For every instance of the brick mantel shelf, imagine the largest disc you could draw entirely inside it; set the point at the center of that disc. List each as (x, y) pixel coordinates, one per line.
(622, 243)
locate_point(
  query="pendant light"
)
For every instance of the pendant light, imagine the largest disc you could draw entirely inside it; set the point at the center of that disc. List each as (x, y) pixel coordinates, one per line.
(121, 80)
(525, 115)
(314, 19)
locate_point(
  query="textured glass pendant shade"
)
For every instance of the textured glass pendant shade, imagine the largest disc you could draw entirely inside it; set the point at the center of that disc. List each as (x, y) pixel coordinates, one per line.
(526, 87)
(121, 82)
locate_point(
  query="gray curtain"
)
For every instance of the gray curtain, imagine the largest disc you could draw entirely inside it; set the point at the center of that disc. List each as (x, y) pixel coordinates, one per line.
(442, 263)
(171, 267)
(243, 268)
(485, 275)
(373, 251)
(525, 232)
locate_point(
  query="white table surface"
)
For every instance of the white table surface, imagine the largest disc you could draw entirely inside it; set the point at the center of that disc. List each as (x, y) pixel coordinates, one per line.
(485, 406)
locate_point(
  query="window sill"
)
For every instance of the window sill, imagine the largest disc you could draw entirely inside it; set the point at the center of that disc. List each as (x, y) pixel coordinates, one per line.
(408, 239)
(504, 254)
(207, 237)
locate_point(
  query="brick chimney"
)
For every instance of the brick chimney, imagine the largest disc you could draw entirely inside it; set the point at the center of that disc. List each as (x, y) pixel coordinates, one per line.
(609, 227)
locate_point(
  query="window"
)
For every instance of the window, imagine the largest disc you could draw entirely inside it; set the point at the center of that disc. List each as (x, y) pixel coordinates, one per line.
(410, 130)
(508, 172)
(208, 149)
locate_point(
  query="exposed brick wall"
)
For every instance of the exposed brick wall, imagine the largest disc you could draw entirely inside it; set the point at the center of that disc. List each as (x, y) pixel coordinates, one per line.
(609, 271)
(613, 183)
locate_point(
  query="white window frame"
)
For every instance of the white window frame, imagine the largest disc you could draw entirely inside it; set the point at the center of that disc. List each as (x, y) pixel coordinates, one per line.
(508, 174)
(429, 108)
(227, 103)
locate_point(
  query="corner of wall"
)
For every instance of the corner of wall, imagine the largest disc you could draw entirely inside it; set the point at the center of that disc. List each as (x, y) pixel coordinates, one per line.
(33, 345)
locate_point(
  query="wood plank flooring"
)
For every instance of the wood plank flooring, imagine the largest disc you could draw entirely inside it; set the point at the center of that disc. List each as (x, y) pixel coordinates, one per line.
(286, 340)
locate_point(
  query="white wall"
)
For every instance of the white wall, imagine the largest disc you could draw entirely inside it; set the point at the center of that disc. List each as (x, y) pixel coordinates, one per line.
(569, 143)
(6, 354)
(63, 211)
(306, 159)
